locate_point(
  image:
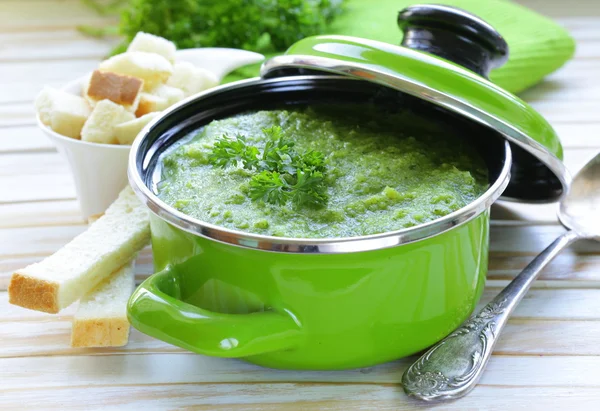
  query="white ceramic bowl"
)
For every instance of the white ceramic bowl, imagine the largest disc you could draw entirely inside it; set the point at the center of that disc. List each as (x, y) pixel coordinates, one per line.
(100, 170)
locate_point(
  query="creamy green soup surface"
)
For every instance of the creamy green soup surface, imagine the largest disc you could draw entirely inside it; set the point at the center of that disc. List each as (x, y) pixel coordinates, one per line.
(381, 173)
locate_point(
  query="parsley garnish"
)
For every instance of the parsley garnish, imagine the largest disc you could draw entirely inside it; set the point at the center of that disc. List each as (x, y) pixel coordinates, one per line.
(229, 151)
(305, 188)
(283, 174)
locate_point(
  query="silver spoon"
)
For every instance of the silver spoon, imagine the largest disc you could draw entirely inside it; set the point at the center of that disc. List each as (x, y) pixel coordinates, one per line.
(452, 367)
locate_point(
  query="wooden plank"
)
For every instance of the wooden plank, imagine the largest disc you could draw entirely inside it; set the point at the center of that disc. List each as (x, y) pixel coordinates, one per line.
(17, 114)
(28, 78)
(44, 187)
(39, 214)
(291, 396)
(187, 368)
(41, 15)
(562, 10)
(14, 140)
(35, 177)
(575, 269)
(522, 240)
(43, 46)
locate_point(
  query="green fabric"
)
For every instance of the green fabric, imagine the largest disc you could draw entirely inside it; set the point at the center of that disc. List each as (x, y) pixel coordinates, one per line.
(538, 46)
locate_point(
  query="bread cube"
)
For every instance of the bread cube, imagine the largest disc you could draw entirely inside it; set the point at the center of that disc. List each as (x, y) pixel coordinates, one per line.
(172, 94)
(153, 68)
(63, 112)
(128, 131)
(191, 79)
(153, 44)
(100, 126)
(118, 88)
(150, 103)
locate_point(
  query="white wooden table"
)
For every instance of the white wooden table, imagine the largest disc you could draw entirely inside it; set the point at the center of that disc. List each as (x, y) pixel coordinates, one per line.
(548, 357)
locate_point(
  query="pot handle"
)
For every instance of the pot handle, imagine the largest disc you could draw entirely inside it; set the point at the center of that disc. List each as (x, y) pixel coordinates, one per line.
(455, 35)
(155, 309)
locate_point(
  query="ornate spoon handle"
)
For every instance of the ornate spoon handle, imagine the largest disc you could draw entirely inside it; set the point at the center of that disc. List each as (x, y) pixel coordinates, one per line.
(452, 367)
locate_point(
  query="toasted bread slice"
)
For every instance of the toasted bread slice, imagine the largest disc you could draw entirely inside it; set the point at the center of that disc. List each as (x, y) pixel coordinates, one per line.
(63, 112)
(71, 272)
(100, 126)
(118, 88)
(101, 318)
(153, 44)
(153, 68)
(127, 132)
(191, 79)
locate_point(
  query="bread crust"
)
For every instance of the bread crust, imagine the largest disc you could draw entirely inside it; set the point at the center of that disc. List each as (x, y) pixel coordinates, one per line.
(150, 103)
(33, 293)
(100, 332)
(118, 88)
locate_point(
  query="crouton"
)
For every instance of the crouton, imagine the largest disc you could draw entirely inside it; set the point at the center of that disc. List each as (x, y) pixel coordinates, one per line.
(100, 126)
(63, 112)
(153, 68)
(153, 44)
(128, 131)
(191, 79)
(150, 103)
(171, 94)
(118, 88)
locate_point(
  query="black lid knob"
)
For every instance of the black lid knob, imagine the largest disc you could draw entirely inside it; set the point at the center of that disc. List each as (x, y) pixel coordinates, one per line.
(455, 35)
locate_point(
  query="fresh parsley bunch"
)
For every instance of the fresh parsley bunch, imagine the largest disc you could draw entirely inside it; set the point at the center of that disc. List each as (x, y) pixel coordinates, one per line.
(259, 25)
(282, 174)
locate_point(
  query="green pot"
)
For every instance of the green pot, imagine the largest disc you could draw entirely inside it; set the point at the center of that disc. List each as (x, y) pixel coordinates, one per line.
(310, 311)
(340, 302)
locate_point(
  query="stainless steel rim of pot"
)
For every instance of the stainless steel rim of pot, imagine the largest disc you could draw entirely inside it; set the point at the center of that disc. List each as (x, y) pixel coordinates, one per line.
(302, 245)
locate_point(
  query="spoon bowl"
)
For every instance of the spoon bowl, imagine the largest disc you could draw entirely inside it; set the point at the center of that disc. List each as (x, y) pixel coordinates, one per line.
(580, 208)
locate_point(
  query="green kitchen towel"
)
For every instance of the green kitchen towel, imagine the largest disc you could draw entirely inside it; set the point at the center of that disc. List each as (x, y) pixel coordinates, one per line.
(538, 46)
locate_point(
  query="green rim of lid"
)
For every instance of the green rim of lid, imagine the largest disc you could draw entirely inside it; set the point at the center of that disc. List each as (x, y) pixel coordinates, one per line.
(448, 85)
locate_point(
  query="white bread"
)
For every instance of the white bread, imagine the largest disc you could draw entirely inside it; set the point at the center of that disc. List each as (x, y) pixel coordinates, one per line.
(118, 88)
(101, 318)
(100, 126)
(150, 103)
(153, 44)
(63, 112)
(71, 272)
(172, 94)
(153, 68)
(127, 132)
(191, 79)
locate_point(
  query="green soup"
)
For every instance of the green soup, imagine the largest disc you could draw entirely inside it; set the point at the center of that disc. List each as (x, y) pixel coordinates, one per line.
(381, 173)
